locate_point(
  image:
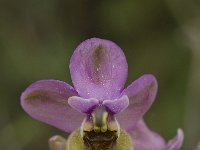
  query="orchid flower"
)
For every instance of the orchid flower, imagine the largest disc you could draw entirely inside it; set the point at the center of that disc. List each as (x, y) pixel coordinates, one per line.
(98, 109)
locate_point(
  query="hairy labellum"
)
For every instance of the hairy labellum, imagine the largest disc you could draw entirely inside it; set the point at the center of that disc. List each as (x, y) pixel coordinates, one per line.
(100, 130)
(100, 141)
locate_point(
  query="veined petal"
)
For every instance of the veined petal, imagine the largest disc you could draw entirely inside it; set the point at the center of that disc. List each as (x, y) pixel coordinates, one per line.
(98, 69)
(46, 100)
(83, 105)
(145, 139)
(141, 94)
(177, 141)
(117, 105)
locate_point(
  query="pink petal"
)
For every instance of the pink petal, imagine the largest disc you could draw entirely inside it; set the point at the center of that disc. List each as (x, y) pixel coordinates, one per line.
(46, 100)
(141, 94)
(98, 69)
(83, 105)
(117, 105)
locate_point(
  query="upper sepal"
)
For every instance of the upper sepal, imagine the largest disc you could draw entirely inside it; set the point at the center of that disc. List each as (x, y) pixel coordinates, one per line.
(98, 69)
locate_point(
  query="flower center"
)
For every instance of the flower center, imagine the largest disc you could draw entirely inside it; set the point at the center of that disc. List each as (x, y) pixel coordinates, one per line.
(100, 130)
(100, 141)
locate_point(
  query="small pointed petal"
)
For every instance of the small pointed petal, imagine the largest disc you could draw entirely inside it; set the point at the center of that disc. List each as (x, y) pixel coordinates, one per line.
(83, 105)
(117, 105)
(141, 94)
(176, 142)
(46, 100)
(98, 69)
(57, 143)
(145, 139)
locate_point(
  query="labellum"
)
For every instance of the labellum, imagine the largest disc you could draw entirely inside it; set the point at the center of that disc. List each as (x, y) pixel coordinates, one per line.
(100, 131)
(99, 141)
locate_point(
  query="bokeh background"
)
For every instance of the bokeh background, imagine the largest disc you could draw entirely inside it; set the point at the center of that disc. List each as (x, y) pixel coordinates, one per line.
(162, 37)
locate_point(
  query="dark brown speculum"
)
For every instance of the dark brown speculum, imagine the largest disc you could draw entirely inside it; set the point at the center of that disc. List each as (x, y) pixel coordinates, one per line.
(100, 141)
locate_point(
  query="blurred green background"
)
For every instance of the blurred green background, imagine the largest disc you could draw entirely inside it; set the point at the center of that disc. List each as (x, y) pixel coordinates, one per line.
(162, 37)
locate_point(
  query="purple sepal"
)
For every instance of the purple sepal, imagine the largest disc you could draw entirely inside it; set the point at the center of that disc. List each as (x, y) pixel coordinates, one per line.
(98, 69)
(46, 100)
(141, 94)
